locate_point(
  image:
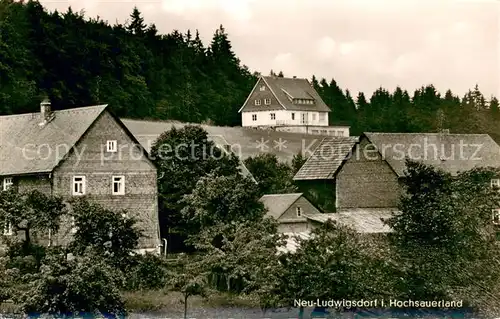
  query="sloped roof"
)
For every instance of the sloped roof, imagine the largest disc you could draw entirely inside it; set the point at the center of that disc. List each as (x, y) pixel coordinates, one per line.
(277, 204)
(244, 141)
(296, 88)
(363, 220)
(326, 158)
(442, 150)
(222, 143)
(27, 147)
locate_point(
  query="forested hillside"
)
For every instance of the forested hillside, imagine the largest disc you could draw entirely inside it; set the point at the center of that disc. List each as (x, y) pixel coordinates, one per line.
(79, 61)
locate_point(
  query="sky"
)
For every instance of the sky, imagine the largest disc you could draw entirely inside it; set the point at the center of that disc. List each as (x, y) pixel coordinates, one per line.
(362, 44)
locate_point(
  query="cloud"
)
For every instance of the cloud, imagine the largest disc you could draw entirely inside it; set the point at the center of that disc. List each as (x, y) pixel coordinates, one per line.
(326, 47)
(346, 48)
(239, 10)
(282, 61)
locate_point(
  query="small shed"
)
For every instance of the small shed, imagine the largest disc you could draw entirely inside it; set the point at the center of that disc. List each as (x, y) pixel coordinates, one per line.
(290, 211)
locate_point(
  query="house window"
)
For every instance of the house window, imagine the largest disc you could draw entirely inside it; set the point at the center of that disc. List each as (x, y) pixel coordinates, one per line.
(495, 183)
(254, 117)
(304, 118)
(293, 116)
(299, 211)
(273, 116)
(72, 222)
(111, 146)
(267, 101)
(314, 116)
(7, 182)
(321, 117)
(7, 229)
(263, 88)
(257, 102)
(496, 216)
(118, 185)
(340, 133)
(78, 185)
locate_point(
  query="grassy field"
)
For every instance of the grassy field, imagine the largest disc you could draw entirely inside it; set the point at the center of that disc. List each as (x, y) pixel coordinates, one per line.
(244, 142)
(158, 301)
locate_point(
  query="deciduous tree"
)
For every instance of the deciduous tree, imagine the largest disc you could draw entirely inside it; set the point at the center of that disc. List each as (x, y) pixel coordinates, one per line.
(444, 236)
(182, 157)
(113, 235)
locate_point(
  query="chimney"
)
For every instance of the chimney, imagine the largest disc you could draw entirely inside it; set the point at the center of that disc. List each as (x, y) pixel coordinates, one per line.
(45, 112)
(294, 76)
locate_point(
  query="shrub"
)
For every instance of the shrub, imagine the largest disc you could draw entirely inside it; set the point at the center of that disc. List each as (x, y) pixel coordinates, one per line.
(83, 285)
(25, 256)
(109, 233)
(147, 272)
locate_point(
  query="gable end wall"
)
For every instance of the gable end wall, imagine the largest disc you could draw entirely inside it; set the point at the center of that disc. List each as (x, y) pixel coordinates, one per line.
(289, 222)
(98, 167)
(366, 181)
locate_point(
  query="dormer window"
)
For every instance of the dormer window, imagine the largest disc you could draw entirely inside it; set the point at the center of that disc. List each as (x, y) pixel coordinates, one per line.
(303, 101)
(257, 102)
(262, 87)
(111, 146)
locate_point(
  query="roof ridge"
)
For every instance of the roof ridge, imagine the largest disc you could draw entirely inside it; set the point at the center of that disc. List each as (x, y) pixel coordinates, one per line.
(83, 108)
(289, 194)
(284, 77)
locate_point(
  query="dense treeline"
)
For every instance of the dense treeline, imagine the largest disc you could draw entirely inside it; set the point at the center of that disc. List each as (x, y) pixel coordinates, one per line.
(78, 61)
(140, 73)
(424, 110)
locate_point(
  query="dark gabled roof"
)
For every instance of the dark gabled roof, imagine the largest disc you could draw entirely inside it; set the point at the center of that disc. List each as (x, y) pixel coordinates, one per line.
(26, 147)
(277, 204)
(363, 220)
(285, 89)
(222, 143)
(244, 141)
(443, 150)
(326, 158)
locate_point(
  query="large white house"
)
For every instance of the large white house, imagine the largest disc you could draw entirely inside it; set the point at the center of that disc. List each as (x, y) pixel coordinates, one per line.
(288, 104)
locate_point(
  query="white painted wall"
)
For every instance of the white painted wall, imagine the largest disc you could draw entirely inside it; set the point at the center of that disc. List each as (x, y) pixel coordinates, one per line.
(316, 130)
(284, 117)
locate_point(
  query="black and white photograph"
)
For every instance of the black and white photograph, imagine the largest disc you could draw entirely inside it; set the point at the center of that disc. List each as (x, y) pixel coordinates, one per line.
(260, 159)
